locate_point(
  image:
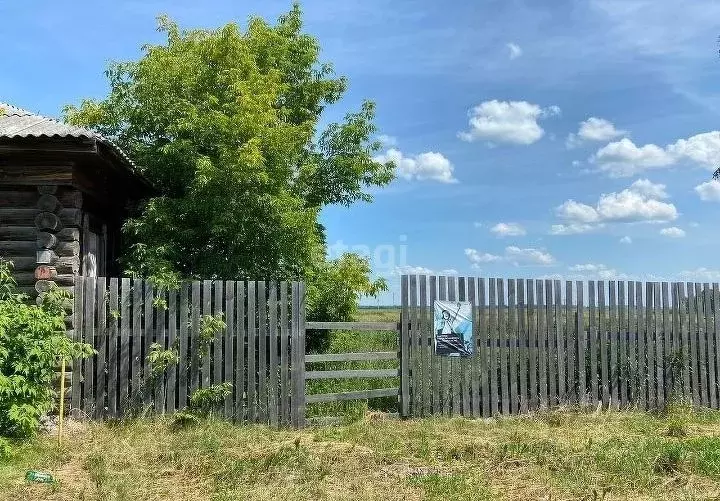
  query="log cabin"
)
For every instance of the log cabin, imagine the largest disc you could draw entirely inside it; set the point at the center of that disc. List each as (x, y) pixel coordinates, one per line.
(65, 192)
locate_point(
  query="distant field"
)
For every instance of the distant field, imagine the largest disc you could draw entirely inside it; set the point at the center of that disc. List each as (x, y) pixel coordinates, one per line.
(358, 341)
(555, 456)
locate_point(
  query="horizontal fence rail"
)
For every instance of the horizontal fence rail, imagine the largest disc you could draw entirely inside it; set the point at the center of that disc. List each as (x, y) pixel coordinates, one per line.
(544, 343)
(352, 357)
(260, 351)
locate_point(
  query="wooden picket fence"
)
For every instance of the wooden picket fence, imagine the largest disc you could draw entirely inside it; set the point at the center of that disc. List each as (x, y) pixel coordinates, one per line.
(545, 343)
(261, 352)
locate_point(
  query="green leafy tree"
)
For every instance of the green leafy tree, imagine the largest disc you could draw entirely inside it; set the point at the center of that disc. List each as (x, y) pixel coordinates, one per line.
(226, 123)
(32, 344)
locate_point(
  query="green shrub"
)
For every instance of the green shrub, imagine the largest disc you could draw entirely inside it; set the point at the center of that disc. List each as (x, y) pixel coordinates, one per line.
(32, 343)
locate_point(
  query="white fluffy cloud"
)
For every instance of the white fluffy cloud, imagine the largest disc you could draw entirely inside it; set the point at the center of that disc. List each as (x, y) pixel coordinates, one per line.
(626, 240)
(701, 275)
(639, 202)
(421, 270)
(387, 140)
(514, 255)
(594, 129)
(709, 191)
(513, 122)
(514, 50)
(571, 229)
(673, 232)
(592, 271)
(429, 166)
(624, 158)
(508, 230)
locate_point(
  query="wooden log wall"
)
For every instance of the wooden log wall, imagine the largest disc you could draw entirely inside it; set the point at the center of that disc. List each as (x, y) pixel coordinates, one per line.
(40, 234)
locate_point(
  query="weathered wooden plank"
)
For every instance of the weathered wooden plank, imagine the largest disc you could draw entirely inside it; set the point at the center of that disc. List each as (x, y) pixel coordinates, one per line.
(301, 353)
(650, 344)
(716, 338)
(426, 347)
(354, 326)
(522, 351)
(641, 347)
(533, 393)
(351, 395)
(102, 346)
(113, 348)
(77, 366)
(676, 368)
(242, 355)
(693, 334)
(667, 336)
(434, 362)
(659, 347)
(148, 339)
(552, 343)
(273, 353)
(160, 338)
(351, 357)
(494, 352)
(581, 343)
(685, 340)
(632, 346)
(710, 336)
(284, 366)
(571, 340)
(262, 352)
(217, 351)
(512, 339)
(89, 333)
(482, 358)
(184, 346)
(604, 349)
(503, 339)
(172, 344)
(206, 360)
(622, 345)
(125, 362)
(414, 340)
(613, 336)
(135, 395)
(542, 345)
(229, 355)
(560, 343)
(298, 312)
(352, 374)
(454, 374)
(252, 375)
(196, 346)
(593, 342)
(473, 376)
(443, 365)
(404, 348)
(464, 362)
(702, 344)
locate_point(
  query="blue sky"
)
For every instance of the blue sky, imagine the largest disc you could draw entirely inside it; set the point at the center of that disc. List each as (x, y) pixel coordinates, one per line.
(566, 138)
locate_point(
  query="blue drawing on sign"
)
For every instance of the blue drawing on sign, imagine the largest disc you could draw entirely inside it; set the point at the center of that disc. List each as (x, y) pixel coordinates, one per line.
(453, 329)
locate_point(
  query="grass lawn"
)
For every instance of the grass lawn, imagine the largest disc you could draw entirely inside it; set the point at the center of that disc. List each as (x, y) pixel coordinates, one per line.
(549, 456)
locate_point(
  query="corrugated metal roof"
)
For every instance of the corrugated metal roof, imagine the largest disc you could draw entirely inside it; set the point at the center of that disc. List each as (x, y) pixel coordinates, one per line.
(17, 123)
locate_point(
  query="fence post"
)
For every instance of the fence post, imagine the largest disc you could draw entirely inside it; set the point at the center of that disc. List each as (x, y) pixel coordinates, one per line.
(404, 345)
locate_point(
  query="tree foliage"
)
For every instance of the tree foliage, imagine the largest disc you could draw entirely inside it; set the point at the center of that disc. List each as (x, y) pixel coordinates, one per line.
(226, 123)
(32, 343)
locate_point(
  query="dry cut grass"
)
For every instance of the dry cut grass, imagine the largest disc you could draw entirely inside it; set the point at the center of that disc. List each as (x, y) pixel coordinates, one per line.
(550, 456)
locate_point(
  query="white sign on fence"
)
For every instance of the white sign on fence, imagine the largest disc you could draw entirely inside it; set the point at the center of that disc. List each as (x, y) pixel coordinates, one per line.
(453, 329)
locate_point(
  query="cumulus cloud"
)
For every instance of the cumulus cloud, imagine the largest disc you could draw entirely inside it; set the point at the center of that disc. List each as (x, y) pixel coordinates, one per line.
(514, 255)
(387, 140)
(514, 122)
(639, 202)
(571, 229)
(422, 270)
(626, 240)
(709, 191)
(508, 230)
(429, 166)
(514, 50)
(700, 275)
(594, 129)
(624, 158)
(593, 271)
(673, 232)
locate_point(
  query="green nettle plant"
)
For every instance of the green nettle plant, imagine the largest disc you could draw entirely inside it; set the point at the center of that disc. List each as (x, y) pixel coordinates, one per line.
(32, 344)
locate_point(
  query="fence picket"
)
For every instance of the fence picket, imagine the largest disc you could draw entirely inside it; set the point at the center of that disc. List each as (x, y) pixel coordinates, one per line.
(503, 339)
(604, 341)
(522, 352)
(659, 350)
(693, 332)
(273, 352)
(593, 335)
(262, 366)
(172, 343)
(125, 366)
(113, 349)
(444, 362)
(552, 344)
(582, 344)
(613, 330)
(404, 349)
(702, 344)
(285, 334)
(667, 342)
(512, 330)
(425, 328)
(101, 347)
(160, 337)
(632, 345)
(434, 363)
(252, 403)
(89, 330)
(454, 386)
(716, 337)
(493, 352)
(622, 345)
(414, 337)
(542, 344)
(475, 377)
(571, 344)
(184, 346)
(641, 352)
(650, 343)
(532, 345)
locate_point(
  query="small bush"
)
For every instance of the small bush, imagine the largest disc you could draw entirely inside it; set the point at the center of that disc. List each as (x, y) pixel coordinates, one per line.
(677, 428)
(32, 343)
(5, 449)
(206, 400)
